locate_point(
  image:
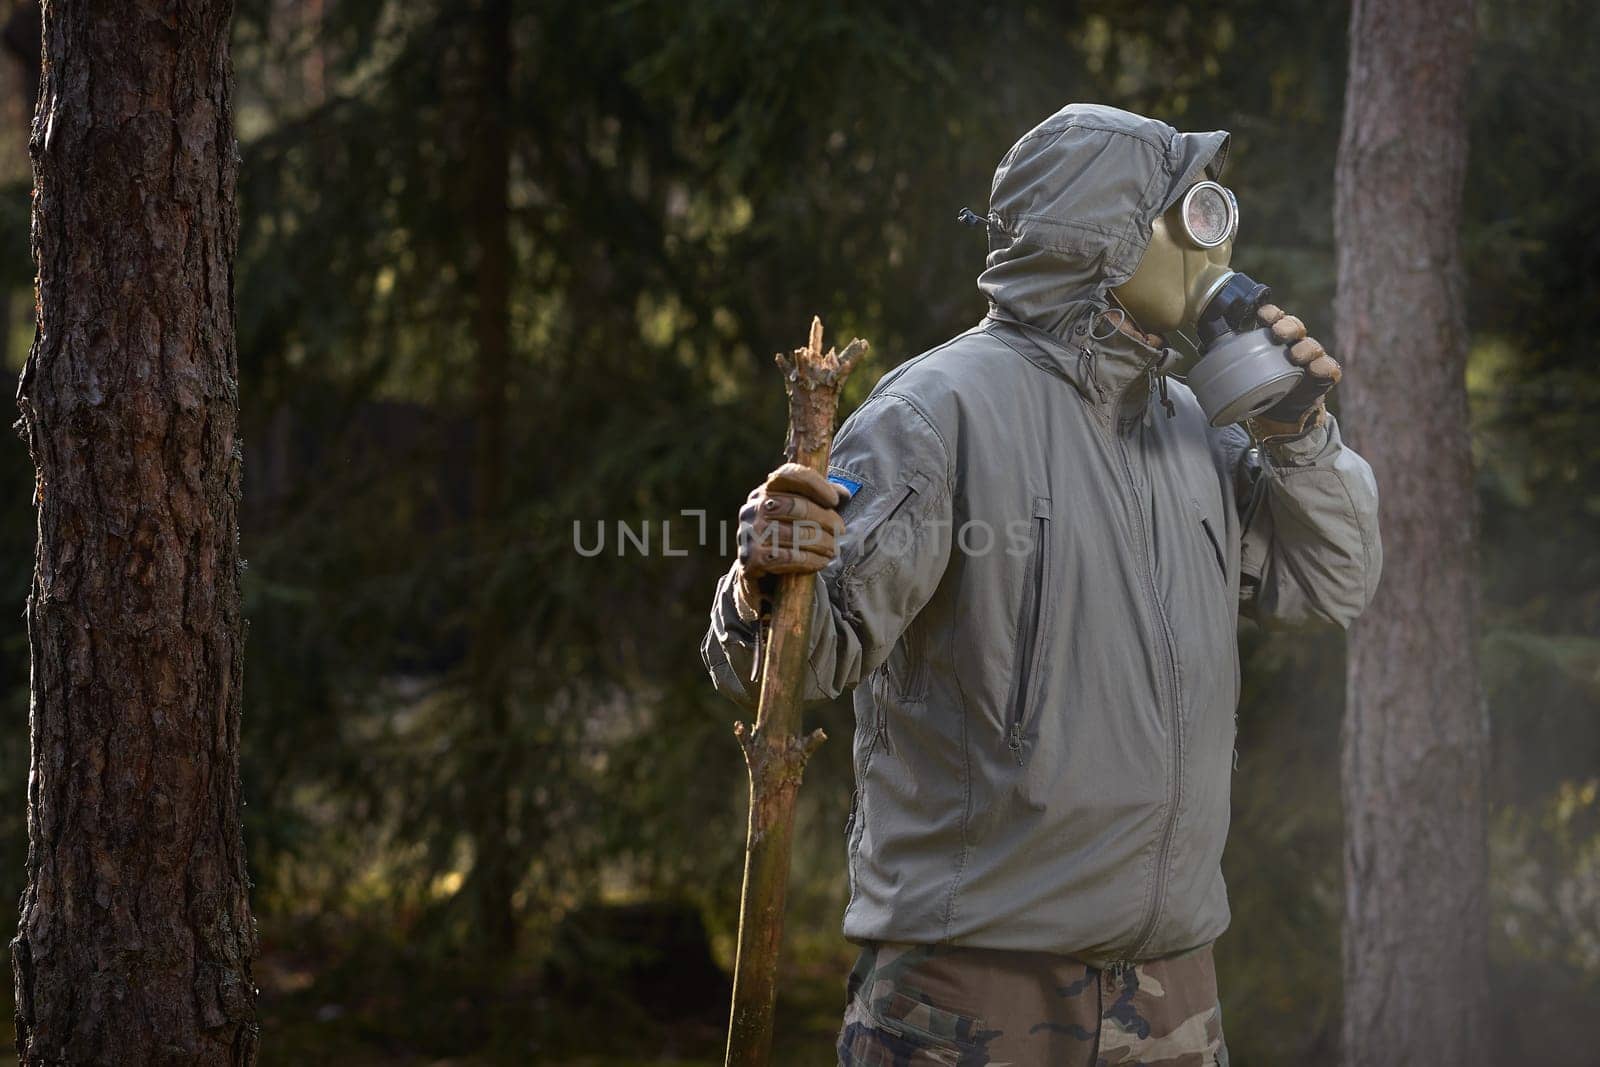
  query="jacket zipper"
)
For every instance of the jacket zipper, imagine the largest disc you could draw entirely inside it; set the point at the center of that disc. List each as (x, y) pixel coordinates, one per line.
(1175, 727)
(1031, 636)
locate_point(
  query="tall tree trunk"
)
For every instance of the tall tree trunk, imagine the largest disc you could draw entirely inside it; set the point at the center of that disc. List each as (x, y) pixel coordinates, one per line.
(135, 940)
(494, 876)
(1415, 738)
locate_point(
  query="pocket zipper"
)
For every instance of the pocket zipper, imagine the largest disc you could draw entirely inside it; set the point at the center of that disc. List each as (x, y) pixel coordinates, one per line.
(1034, 615)
(869, 538)
(1211, 536)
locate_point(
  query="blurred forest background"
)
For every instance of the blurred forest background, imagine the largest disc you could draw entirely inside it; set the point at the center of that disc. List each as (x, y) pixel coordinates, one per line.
(507, 267)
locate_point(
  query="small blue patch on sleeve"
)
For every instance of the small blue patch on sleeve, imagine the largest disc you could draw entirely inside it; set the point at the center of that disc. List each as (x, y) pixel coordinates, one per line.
(853, 486)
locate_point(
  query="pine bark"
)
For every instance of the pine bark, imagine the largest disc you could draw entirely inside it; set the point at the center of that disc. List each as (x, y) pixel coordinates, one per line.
(1415, 738)
(135, 939)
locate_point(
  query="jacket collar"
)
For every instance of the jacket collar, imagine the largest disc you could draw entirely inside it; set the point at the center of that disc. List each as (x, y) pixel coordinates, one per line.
(1111, 370)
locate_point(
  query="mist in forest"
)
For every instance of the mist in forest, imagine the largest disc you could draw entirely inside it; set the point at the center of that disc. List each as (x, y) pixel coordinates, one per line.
(511, 277)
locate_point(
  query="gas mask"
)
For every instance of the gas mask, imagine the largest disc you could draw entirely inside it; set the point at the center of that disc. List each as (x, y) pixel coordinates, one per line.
(1184, 282)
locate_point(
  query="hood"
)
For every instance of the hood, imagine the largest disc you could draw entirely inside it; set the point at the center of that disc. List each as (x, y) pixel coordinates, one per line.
(1071, 207)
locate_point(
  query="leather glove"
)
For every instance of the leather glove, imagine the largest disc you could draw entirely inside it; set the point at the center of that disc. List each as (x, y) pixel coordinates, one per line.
(789, 525)
(1302, 409)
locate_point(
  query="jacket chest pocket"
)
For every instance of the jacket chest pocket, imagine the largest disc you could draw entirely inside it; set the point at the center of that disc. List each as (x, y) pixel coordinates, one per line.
(1210, 536)
(880, 528)
(1213, 540)
(1033, 621)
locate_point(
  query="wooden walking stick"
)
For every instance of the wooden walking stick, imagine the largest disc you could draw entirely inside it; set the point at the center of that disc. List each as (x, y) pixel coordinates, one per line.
(774, 752)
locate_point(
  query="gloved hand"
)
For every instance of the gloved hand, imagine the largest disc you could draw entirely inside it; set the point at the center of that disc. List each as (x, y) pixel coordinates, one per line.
(1303, 408)
(789, 525)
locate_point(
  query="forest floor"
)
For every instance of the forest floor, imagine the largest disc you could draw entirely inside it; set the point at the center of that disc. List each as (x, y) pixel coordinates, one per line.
(436, 1018)
(366, 1008)
(362, 998)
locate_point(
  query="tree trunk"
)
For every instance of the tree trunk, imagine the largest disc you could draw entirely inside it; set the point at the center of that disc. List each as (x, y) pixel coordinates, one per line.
(1415, 736)
(494, 874)
(135, 940)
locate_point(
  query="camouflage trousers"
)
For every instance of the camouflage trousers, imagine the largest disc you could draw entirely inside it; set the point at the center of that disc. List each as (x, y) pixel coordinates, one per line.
(919, 1005)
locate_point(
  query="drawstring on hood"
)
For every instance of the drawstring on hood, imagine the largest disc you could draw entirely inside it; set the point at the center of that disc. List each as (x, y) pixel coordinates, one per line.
(1166, 401)
(971, 218)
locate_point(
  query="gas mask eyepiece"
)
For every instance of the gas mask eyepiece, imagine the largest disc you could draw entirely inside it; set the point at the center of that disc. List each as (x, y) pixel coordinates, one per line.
(1209, 213)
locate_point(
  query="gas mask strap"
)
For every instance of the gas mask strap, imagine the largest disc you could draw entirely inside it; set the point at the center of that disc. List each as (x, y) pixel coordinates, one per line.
(1103, 315)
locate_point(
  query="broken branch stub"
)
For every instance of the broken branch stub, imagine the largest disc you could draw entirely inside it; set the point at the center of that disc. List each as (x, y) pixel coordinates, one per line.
(812, 379)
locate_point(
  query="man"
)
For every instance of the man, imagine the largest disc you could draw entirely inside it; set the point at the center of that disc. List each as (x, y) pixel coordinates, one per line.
(1032, 548)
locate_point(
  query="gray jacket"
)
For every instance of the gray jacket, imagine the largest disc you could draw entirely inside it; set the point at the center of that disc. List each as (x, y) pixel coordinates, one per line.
(1039, 582)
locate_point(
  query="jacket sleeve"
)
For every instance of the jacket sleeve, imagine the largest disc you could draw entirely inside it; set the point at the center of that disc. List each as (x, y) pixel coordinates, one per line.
(892, 554)
(1309, 546)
